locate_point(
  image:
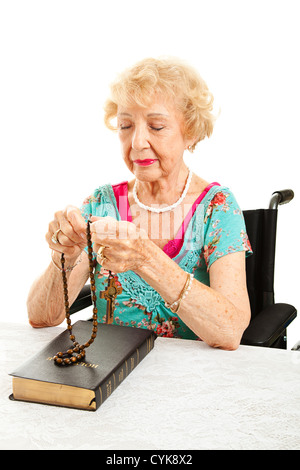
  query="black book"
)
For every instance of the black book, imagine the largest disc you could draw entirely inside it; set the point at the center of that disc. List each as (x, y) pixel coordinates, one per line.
(115, 352)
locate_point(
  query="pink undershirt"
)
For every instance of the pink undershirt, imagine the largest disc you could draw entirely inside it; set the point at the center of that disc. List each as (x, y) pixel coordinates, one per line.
(173, 247)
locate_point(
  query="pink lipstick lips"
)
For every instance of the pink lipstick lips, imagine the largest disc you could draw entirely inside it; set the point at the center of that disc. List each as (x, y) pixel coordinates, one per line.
(146, 162)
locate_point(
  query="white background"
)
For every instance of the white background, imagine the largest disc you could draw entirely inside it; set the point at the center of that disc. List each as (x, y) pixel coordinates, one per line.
(57, 59)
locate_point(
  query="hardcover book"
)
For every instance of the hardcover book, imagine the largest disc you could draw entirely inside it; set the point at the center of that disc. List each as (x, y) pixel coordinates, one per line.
(115, 352)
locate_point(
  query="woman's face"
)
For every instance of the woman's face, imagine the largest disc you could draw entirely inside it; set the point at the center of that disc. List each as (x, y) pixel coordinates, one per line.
(152, 139)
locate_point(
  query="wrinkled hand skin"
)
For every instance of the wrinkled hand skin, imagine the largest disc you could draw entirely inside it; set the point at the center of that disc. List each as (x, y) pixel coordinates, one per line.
(72, 233)
(126, 246)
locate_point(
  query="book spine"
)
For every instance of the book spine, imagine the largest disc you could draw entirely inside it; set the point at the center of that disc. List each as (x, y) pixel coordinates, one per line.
(107, 387)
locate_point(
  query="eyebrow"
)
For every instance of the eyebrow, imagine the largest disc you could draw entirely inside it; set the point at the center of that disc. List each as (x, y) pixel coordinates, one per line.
(157, 114)
(148, 115)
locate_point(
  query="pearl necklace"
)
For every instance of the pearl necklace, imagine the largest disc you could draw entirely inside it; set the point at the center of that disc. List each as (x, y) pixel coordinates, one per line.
(168, 208)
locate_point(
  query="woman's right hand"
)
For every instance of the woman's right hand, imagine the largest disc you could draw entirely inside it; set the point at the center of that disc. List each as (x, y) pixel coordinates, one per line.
(71, 237)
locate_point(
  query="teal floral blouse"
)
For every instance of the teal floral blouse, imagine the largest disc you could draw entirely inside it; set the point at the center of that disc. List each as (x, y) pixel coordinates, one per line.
(215, 228)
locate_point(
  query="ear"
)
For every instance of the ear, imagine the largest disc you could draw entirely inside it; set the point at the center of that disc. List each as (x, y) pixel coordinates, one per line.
(189, 144)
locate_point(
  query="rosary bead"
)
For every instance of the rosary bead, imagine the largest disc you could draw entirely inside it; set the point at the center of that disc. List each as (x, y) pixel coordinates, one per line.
(68, 357)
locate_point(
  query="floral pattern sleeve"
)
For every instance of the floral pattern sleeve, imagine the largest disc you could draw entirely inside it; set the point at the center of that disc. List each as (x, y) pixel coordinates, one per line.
(224, 228)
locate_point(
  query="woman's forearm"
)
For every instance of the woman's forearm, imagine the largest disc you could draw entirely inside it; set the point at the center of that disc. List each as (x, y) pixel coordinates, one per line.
(208, 313)
(45, 303)
(45, 300)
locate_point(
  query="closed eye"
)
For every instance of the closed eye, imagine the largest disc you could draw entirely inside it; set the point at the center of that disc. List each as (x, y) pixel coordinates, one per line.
(152, 127)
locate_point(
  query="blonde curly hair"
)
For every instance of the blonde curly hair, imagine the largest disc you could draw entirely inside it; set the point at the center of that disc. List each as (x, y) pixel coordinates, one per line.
(174, 79)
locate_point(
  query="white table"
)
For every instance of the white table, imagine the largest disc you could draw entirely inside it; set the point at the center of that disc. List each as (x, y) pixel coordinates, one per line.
(183, 395)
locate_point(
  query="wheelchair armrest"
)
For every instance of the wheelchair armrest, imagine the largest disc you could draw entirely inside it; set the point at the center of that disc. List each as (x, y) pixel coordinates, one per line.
(281, 197)
(83, 300)
(268, 325)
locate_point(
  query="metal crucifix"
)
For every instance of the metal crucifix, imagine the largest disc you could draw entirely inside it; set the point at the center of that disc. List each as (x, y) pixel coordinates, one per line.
(110, 294)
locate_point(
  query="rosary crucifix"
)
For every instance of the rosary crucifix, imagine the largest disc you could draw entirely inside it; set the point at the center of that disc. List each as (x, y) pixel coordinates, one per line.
(110, 294)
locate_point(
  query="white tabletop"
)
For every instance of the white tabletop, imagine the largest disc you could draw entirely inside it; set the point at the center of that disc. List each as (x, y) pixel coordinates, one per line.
(183, 395)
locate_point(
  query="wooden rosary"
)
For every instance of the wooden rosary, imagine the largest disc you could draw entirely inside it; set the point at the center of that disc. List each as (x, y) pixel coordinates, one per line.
(77, 352)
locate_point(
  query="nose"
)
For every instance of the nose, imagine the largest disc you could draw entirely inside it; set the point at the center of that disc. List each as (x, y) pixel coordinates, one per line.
(140, 138)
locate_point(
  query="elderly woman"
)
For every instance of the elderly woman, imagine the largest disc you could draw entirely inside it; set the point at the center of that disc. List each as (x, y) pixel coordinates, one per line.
(175, 242)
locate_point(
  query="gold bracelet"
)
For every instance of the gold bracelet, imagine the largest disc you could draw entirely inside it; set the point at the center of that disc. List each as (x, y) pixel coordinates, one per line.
(174, 307)
(69, 268)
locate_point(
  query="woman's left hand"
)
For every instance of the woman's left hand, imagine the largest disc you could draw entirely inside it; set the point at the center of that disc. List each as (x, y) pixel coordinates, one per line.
(125, 245)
